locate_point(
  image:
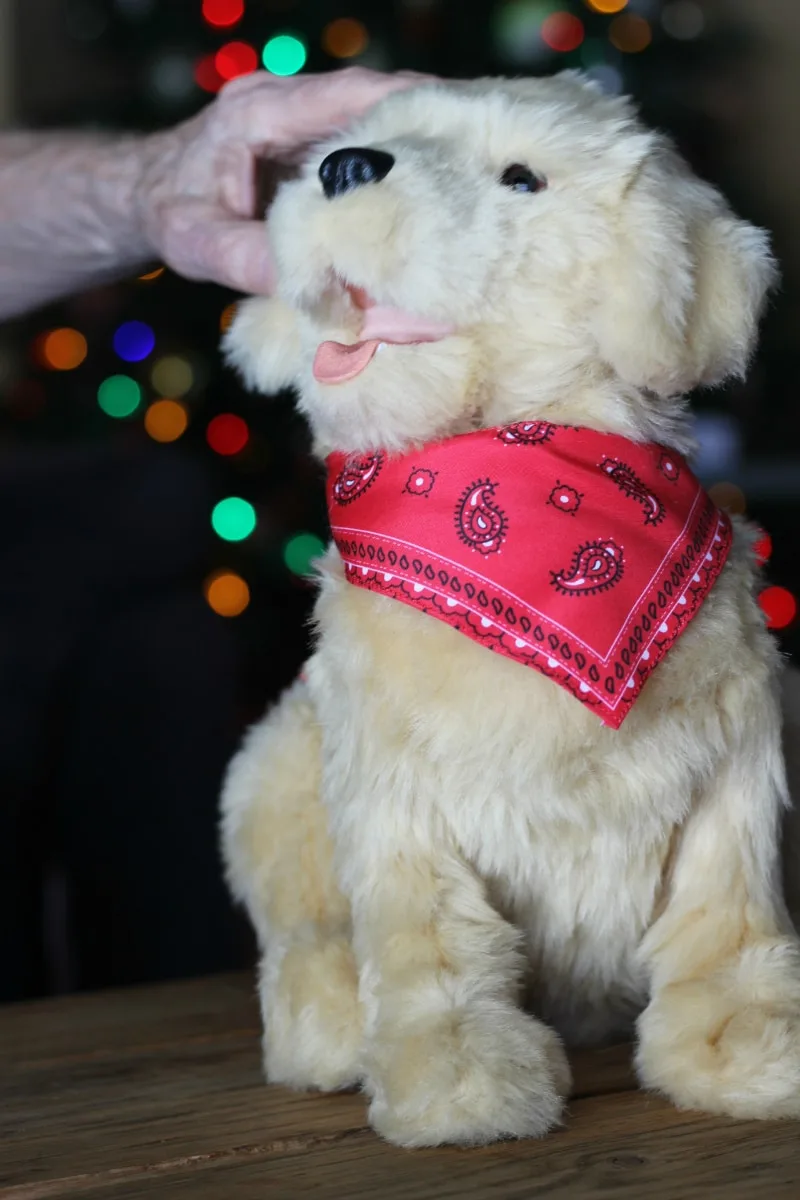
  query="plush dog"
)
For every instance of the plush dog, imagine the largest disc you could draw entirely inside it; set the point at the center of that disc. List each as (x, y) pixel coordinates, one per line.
(531, 785)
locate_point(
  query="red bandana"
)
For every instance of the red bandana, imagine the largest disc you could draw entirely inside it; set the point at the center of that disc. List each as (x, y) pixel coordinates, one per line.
(581, 554)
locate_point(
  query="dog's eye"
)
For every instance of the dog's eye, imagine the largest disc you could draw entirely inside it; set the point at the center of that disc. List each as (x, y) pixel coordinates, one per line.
(522, 179)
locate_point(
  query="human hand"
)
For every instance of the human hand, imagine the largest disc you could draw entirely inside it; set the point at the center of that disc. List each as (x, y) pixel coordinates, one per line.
(195, 197)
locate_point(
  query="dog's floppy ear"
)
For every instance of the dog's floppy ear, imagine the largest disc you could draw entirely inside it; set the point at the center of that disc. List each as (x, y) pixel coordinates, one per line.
(263, 344)
(681, 292)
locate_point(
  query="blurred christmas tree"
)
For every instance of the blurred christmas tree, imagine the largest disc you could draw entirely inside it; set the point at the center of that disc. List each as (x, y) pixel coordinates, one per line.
(140, 362)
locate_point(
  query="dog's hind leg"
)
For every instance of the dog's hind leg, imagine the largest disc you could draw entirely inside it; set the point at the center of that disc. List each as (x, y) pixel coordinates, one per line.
(278, 861)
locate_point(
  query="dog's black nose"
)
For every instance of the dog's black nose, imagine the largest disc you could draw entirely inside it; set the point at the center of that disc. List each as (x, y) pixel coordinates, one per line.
(346, 169)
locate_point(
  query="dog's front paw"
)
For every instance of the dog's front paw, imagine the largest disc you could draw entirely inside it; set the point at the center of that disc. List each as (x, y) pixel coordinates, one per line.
(705, 1049)
(312, 1016)
(471, 1077)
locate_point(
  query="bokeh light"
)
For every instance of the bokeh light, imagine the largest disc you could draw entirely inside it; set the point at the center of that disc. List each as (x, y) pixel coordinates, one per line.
(683, 19)
(345, 38)
(517, 30)
(233, 519)
(284, 55)
(151, 276)
(606, 6)
(562, 31)
(226, 317)
(763, 547)
(779, 607)
(166, 420)
(728, 496)
(119, 396)
(608, 77)
(62, 349)
(134, 341)
(172, 376)
(235, 59)
(300, 552)
(223, 13)
(630, 33)
(206, 75)
(227, 593)
(227, 433)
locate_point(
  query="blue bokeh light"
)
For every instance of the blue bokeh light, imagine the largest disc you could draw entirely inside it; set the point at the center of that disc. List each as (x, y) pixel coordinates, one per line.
(133, 341)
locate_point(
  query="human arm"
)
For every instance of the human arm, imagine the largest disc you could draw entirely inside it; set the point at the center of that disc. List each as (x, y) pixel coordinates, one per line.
(78, 209)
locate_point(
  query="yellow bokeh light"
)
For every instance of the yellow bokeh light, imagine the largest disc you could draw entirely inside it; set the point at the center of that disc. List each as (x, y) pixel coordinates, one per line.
(227, 593)
(172, 376)
(227, 317)
(630, 34)
(728, 496)
(62, 349)
(606, 6)
(166, 420)
(344, 38)
(151, 275)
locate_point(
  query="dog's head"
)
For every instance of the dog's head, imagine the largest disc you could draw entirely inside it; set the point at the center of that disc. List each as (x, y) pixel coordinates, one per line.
(475, 253)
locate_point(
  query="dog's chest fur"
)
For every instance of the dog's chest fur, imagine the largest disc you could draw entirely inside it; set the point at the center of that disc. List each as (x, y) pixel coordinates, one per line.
(568, 823)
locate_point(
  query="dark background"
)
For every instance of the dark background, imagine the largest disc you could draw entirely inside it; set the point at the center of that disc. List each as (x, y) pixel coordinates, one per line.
(122, 692)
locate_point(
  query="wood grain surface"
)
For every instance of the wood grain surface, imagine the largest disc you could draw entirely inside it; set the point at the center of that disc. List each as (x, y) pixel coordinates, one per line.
(158, 1092)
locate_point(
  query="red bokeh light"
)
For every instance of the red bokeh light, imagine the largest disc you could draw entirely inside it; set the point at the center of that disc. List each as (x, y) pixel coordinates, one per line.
(227, 433)
(562, 31)
(779, 605)
(235, 59)
(763, 547)
(223, 13)
(206, 74)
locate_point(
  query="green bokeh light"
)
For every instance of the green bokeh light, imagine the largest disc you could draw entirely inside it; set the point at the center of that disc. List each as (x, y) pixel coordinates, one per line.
(284, 55)
(300, 551)
(233, 519)
(119, 396)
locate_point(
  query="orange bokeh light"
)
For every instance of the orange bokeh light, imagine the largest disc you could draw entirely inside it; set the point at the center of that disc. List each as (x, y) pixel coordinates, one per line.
(344, 38)
(166, 420)
(227, 593)
(630, 34)
(62, 349)
(606, 6)
(226, 317)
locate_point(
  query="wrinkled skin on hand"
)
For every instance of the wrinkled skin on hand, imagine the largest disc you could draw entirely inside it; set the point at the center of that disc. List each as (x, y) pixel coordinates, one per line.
(196, 196)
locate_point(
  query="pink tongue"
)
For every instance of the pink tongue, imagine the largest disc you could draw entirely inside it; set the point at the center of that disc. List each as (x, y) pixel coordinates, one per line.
(336, 363)
(401, 328)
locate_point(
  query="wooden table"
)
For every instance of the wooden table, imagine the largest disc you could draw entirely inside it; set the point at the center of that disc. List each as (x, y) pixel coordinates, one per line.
(157, 1091)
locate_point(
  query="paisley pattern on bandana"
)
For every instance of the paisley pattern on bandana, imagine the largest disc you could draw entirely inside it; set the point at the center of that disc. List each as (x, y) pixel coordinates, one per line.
(355, 477)
(595, 567)
(485, 549)
(631, 485)
(526, 433)
(480, 522)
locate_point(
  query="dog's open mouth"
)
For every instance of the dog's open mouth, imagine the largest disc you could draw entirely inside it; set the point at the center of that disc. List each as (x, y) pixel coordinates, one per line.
(336, 362)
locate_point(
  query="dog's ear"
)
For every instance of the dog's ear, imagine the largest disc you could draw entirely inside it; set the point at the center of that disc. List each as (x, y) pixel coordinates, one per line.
(263, 344)
(682, 289)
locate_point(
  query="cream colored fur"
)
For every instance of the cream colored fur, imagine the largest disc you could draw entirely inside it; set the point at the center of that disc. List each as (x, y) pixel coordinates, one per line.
(450, 863)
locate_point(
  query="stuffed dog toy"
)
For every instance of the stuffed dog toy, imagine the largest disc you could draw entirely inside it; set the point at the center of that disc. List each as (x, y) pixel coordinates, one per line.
(530, 788)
